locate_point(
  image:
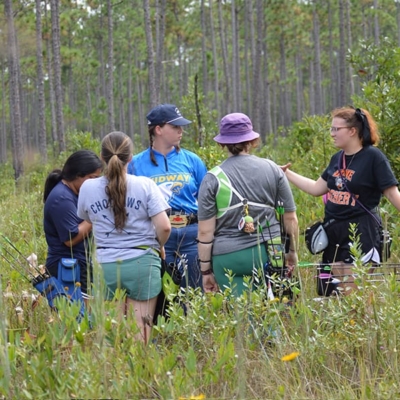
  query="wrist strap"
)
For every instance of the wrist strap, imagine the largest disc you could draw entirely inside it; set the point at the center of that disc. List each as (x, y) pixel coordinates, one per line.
(207, 272)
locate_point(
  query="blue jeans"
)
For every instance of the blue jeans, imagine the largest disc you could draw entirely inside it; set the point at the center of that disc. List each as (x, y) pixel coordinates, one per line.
(182, 242)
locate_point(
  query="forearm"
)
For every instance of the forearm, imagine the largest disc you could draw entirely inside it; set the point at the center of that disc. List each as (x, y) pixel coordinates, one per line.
(84, 229)
(291, 226)
(307, 185)
(205, 239)
(393, 195)
(162, 227)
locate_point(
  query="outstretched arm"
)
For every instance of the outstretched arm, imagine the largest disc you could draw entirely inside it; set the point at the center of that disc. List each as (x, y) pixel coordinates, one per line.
(315, 188)
(393, 195)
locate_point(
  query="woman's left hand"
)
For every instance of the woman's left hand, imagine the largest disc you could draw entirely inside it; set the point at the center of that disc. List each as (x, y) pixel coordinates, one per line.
(291, 261)
(209, 283)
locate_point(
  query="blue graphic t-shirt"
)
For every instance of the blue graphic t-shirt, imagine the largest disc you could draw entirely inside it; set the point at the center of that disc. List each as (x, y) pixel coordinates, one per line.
(178, 176)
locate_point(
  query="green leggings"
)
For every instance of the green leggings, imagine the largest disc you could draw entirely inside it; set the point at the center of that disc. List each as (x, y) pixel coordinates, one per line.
(231, 268)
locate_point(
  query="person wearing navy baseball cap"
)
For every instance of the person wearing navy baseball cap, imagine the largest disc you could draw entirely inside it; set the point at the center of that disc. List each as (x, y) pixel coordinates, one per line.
(166, 114)
(178, 174)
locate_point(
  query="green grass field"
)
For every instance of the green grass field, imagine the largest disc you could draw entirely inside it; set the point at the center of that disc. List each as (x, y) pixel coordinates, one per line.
(224, 348)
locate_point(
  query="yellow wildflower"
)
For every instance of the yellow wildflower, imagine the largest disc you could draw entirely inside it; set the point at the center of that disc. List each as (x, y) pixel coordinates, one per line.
(199, 397)
(291, 356)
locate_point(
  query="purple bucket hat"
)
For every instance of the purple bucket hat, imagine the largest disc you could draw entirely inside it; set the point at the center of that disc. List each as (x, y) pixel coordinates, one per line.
(235, 128)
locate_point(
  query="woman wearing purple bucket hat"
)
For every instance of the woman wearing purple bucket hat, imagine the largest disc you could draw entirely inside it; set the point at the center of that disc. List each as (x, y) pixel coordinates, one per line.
(237, 212)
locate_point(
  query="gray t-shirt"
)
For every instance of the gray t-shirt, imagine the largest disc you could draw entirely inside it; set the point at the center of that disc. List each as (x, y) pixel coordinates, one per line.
(256, 179)
(143, 201)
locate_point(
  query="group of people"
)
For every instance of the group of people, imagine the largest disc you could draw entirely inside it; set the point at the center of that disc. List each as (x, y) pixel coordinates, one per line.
(163, 204)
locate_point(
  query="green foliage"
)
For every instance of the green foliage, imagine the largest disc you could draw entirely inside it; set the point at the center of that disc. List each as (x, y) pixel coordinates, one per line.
(76, 140)
(223, 348)
(379, 69)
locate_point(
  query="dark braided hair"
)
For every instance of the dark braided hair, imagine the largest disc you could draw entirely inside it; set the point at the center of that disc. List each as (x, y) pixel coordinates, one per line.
(152, 129)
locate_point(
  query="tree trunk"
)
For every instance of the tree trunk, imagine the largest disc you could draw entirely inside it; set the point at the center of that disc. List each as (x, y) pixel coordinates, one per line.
(215, 61)
(160, 34)
(131, 129)
(40, 86)
(14, 87)
(89, 122)
(342, 57)
(266, 89)
(224, 51)
(150, 55)
(203, 48)
(350, 45)
(140, 100)
(235, 59)
(122, 124)
(110, 68)
(53, 123)
(299, 85)
(319, 106)
(398, 22)
(376, 24)
(3, 133)
(287, 106)
(256, 112)
(312, 91)
(102, 87)
(247, 98)
(333, 84)
(56, 42)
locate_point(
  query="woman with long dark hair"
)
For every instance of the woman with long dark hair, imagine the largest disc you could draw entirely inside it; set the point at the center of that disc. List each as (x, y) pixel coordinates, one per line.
(66, 233)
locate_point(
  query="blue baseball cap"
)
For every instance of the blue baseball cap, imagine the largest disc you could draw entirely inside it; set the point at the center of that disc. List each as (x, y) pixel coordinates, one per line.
(166, 114)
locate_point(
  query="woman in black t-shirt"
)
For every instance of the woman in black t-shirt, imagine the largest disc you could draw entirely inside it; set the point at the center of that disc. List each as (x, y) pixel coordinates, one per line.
(353, 182)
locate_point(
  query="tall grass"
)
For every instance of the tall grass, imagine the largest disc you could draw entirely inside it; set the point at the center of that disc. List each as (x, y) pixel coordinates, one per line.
(224, 348)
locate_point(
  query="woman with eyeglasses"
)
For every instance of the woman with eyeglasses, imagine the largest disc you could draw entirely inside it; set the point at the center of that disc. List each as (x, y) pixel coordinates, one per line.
(353, 182)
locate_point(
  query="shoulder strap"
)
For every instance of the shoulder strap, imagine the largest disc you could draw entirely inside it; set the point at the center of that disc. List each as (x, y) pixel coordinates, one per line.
(352, 195)
(225, 192)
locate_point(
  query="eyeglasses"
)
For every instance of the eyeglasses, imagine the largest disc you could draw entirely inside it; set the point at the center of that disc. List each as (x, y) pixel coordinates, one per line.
(338, 128)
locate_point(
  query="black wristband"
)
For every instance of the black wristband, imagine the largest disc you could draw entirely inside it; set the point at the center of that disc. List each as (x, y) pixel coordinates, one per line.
(208, 272)
(198, 241)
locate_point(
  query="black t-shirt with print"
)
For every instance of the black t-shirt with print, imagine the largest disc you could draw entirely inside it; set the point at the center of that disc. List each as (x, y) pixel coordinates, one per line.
(367, 174)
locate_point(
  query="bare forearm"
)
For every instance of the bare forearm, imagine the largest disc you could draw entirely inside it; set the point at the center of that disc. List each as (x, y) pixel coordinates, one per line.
(84, 229)
(162, 226)
(315, 188)
(291, 227)
(205, 242)
(393, 195)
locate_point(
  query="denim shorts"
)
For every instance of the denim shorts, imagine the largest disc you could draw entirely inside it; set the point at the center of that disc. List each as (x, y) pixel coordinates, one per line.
(139, 277)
